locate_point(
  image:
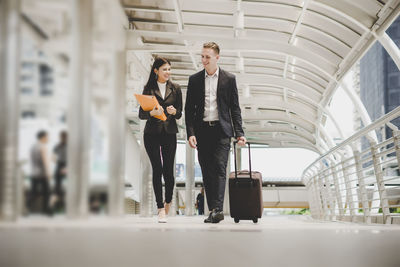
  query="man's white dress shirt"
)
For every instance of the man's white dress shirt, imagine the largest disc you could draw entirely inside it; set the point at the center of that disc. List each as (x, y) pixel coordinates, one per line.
(211, 106)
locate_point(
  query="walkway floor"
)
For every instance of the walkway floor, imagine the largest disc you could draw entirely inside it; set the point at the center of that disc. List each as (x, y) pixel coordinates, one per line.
(186, 241)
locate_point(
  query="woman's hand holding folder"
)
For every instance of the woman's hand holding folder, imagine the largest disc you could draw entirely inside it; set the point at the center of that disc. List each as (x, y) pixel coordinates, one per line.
(157, 111)
(150, 103)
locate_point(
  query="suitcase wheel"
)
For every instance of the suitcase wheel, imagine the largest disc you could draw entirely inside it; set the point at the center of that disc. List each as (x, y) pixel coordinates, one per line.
(255, 220)
(236, 220)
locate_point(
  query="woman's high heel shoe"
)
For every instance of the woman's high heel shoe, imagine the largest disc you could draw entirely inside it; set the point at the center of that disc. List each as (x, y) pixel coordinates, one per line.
(162, 218)
(167, 207)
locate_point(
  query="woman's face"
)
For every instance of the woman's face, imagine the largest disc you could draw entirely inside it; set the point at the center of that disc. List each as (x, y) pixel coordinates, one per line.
(163, 73)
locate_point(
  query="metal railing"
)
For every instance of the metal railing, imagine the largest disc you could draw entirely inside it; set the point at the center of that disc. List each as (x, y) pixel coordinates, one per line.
(358, 180)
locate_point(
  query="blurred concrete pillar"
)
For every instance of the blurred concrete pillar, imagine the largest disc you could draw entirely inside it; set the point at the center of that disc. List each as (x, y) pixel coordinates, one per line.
(117, 124)
(79, 108)
(189, 181)
(9, 107)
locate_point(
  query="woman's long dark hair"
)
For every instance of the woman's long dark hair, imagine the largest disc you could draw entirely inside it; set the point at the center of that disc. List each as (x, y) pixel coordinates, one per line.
(152, 81)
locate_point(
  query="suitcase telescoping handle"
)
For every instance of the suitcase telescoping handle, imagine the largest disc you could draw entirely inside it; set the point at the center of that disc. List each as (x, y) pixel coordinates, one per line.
(234, 155)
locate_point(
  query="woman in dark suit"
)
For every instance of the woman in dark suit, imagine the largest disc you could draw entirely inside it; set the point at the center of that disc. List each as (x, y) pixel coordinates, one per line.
(160, 136)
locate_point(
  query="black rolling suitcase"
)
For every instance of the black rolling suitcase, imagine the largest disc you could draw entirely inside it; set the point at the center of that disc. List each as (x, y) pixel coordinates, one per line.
(245, 192)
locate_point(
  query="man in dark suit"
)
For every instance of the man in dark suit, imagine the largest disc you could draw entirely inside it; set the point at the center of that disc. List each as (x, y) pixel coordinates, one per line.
(212, 115)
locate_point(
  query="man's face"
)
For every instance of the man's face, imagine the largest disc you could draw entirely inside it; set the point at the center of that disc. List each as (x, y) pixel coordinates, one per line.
(209, 59)
(45, 139)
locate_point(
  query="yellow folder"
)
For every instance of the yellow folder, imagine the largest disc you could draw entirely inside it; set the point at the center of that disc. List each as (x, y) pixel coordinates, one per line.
(148, 102)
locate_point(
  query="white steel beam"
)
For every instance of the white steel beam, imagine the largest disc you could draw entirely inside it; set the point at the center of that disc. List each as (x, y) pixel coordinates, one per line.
(192, 56)
(151, 10)
(391, 48)
(281, 129)
(368, 33)
(323, 63)
(284, 139)
(280, 117)
(293, 106)
(299, 21)
(198, 16)
(285, 67)
(178, 15)
(170, 49)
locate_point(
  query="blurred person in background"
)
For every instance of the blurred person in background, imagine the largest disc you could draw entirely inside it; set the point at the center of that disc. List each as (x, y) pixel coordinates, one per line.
(160, 136)
(60, 157)
(200, 202)
(40, 176)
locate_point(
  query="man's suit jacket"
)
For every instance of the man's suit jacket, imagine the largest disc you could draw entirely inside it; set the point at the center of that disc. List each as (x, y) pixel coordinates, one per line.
(173, 96)
(227, 100)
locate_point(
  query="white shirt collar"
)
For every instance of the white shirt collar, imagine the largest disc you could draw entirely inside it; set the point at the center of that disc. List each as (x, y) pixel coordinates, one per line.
(216, 73)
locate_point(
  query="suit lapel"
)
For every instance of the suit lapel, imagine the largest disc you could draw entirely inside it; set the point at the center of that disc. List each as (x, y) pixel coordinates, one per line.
(168, 90)
(157, 91)
(203, 88)
(219, 84)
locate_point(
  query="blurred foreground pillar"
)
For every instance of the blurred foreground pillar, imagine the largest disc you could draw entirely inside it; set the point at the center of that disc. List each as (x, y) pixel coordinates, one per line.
(117, 124)
(115, 33)
(79, 108)
(9, 106)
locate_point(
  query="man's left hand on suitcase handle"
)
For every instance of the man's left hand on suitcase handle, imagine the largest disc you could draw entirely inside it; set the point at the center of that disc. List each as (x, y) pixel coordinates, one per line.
(241, 140)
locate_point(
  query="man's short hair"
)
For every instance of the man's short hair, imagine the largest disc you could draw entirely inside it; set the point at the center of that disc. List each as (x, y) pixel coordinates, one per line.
(41, 134)
(212, 46)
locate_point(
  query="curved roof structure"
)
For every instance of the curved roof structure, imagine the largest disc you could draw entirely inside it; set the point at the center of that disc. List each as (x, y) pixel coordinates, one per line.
(288, 55)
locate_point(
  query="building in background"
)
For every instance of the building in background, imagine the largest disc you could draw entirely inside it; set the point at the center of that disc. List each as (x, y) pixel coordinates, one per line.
(380, 88)
(380, 81)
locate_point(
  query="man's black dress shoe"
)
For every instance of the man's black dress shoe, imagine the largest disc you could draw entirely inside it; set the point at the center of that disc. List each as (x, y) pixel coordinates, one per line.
(217, 216)
(209, 218)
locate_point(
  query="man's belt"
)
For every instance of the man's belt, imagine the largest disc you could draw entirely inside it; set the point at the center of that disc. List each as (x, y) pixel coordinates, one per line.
(211, 123)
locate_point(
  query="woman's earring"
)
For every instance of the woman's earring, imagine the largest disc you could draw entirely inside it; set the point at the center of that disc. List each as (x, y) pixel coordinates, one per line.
(156, 76)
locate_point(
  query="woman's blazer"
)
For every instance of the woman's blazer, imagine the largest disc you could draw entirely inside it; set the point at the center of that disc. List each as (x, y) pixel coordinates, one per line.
(173, 96)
